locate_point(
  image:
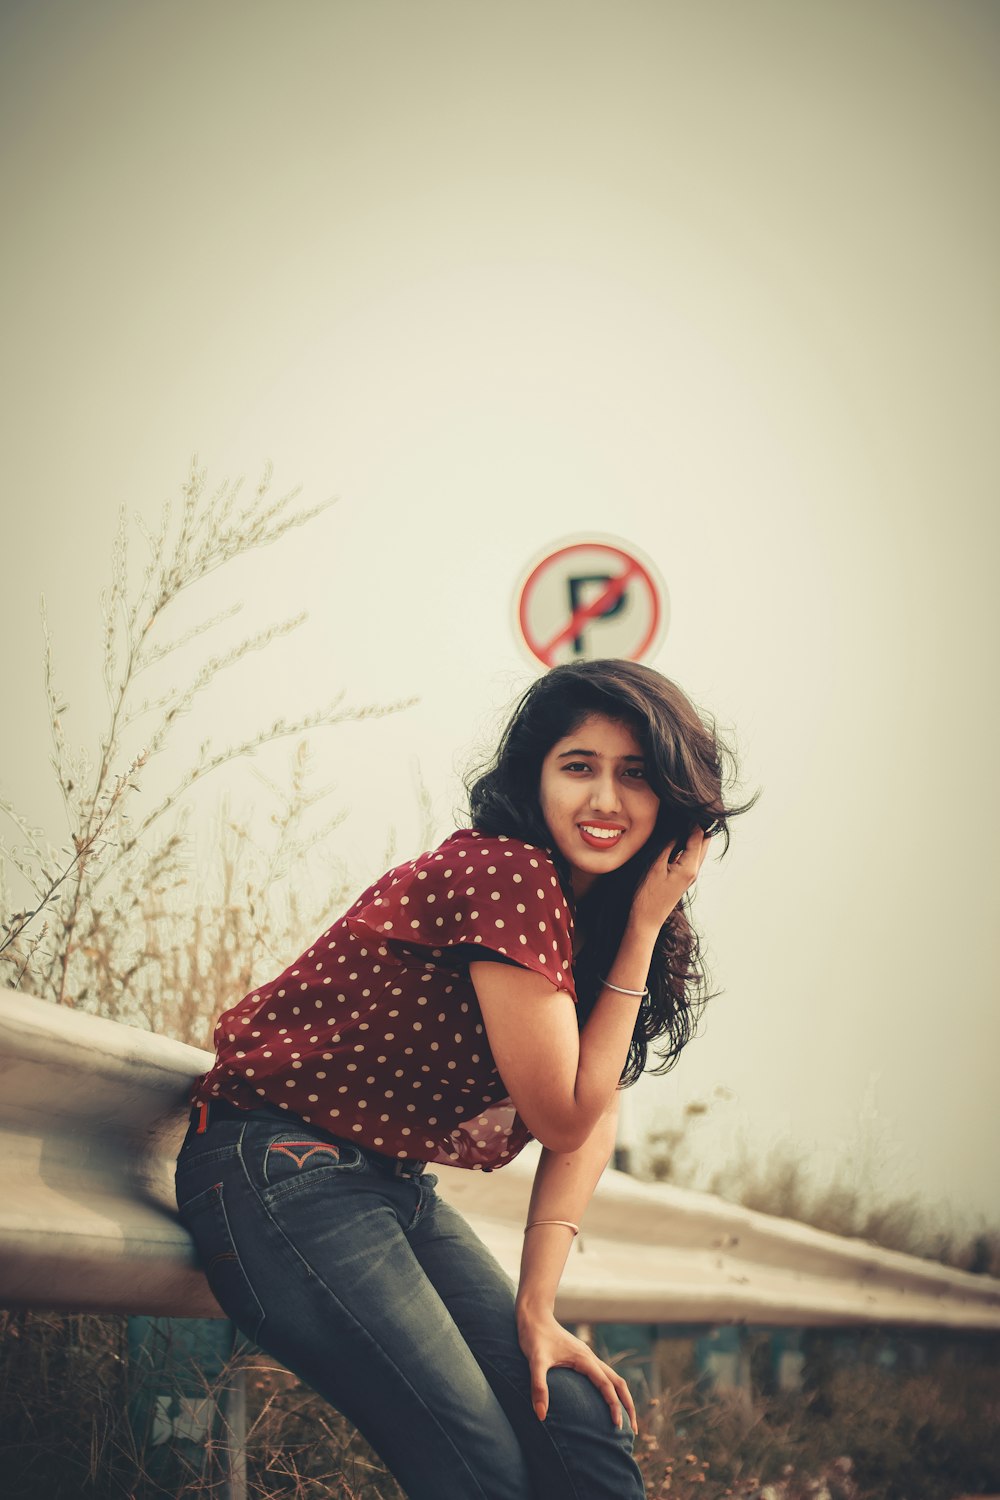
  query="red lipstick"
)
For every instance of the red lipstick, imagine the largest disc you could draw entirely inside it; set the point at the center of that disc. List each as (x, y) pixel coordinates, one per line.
(596, 841)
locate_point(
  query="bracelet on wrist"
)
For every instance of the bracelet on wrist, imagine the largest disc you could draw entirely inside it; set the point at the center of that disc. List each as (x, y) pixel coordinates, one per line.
(564, 1222)
(619, 990)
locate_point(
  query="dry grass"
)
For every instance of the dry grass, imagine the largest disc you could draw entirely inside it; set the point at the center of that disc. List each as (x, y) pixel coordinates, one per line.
(863, 1431)
(781, 1182)
(69, 1429)
(101, 924)
(133, 918)
(859, 1431)
(72, 1425)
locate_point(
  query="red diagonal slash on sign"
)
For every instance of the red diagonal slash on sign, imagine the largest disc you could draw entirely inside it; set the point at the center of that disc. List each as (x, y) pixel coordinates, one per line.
(587, 612)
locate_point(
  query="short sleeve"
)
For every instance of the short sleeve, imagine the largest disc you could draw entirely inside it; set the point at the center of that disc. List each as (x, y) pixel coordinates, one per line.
(496, 892)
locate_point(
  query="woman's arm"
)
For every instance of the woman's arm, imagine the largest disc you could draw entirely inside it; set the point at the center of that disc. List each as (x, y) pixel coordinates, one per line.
(564, 1184)
(560, 1078)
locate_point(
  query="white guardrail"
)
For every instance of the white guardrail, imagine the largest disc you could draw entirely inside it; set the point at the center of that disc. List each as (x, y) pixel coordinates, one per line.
(92, 1114)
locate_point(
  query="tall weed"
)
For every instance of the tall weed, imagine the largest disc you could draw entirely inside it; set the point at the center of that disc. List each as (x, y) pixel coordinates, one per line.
(781, 1182)
(112, 919)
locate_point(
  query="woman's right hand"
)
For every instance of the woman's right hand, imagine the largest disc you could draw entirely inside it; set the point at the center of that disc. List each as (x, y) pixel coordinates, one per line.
(667, 879)
(547, 1345)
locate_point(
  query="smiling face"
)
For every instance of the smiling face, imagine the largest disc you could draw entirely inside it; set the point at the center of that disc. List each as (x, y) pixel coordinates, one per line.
(595, 799)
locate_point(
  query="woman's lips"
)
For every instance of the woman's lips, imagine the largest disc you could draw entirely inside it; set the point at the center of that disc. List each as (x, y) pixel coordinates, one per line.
(600, 835)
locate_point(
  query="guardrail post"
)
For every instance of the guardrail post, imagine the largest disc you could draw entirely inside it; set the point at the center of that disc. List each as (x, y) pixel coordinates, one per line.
(629, 1347)
(187, 1406)
(722, 1357)
(788, 1358)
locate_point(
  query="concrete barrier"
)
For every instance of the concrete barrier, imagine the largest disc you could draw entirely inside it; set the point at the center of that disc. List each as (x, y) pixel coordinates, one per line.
(92, 1114)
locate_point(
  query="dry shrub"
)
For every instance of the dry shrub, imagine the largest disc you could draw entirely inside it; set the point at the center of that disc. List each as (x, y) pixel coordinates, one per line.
(858, 1432)
(103, 923)
(307, 1450)
(69, 1432)
(134, 918)
(780, 1182)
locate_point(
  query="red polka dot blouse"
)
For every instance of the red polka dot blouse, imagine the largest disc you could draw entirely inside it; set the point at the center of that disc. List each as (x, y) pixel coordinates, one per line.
(375, 1033)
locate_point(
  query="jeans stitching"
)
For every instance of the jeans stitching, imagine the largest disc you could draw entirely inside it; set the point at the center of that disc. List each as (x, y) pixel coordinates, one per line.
(216, 1188)
(313, 1147)
(427, 1199)
(189, 1158)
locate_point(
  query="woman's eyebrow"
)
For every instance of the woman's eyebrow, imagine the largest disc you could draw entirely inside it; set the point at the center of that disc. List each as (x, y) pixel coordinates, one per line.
(598, 756)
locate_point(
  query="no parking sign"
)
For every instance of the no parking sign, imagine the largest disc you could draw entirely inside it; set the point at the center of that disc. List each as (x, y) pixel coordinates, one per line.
(591, 598)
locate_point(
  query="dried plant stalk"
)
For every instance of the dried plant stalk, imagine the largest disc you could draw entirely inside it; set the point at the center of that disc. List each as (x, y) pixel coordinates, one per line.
(123, 932)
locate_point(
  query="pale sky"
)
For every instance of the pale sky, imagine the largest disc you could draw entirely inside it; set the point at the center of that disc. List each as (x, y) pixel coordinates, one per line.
(717, 279)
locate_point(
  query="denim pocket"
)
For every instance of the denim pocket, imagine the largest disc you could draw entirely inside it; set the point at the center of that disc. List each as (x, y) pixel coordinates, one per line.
(293, 1159)
(205, 1218)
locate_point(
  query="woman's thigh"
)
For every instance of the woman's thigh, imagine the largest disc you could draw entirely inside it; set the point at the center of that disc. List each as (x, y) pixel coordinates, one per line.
(306, 1250)
(577, 1453)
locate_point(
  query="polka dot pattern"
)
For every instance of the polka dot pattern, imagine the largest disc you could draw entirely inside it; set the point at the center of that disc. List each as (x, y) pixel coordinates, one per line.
(397, 1049)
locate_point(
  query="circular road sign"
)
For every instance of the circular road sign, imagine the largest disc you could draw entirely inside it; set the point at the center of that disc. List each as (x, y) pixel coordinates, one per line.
(591, 598)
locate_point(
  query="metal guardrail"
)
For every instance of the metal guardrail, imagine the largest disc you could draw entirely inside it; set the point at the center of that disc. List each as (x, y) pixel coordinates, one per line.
(92, 1114)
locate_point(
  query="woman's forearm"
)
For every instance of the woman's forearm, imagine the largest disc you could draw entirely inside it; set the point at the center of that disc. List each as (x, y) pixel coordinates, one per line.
(563, 1186)
(563, 1078)
(607, 1035)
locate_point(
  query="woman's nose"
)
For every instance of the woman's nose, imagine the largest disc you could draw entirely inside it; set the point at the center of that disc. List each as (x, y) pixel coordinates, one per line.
(604, 795)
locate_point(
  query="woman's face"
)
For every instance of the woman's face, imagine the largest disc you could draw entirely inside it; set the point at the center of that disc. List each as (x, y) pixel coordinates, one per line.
(595, 799)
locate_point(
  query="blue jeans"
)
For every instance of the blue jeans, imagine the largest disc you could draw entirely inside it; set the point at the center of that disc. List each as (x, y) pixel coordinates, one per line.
(376, 1293)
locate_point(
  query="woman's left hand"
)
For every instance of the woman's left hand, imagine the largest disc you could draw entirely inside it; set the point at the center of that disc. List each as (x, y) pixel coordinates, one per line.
(546, 1344)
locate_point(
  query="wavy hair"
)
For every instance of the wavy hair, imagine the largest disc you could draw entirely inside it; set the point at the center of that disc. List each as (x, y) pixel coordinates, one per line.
(689, 768)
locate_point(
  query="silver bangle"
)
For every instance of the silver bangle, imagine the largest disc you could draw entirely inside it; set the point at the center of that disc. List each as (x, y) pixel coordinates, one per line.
(639, 994)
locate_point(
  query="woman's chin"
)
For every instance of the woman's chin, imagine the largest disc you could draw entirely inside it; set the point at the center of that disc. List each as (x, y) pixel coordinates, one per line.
(590, 864)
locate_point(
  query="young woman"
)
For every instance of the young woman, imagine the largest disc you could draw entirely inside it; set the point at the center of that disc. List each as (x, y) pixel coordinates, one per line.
(501, 987)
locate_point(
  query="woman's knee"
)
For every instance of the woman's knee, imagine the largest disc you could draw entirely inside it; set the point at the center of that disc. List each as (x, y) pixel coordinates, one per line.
(575, 1400)
(586, 1454)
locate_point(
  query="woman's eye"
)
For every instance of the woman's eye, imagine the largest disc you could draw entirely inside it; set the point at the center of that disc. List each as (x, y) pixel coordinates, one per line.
(635, 773)
(576, 765)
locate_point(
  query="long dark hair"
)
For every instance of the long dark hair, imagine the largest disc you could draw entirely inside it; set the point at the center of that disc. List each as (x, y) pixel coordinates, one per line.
(688, 767)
